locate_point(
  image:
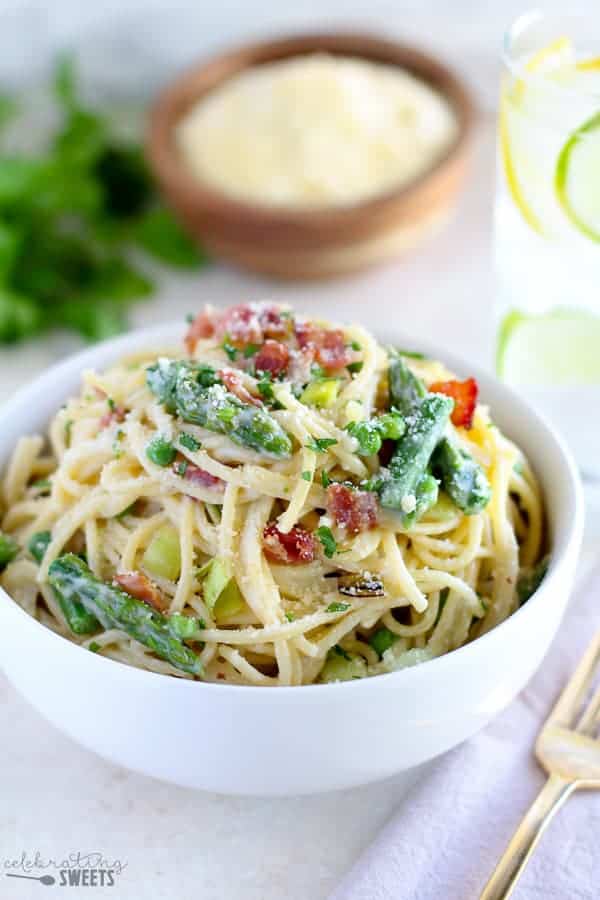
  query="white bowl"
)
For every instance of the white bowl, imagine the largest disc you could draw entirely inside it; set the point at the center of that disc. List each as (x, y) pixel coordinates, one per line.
(290, 740)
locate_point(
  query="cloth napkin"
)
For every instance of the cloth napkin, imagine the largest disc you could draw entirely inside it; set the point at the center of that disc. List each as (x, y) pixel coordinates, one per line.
(455, 824)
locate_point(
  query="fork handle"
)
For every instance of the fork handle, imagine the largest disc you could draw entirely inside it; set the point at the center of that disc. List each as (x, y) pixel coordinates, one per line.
(526, 837)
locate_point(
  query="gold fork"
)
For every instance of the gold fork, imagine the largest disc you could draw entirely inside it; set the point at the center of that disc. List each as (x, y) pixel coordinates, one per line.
(568, 750)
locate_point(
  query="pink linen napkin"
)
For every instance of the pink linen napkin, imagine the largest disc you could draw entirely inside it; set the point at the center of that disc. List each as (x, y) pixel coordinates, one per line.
(453, 826)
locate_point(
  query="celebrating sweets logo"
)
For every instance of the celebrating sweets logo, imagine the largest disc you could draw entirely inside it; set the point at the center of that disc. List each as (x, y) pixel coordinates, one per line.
(75, 870)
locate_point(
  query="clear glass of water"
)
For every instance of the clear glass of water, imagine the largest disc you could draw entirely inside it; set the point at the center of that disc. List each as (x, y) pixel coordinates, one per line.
(547, 223)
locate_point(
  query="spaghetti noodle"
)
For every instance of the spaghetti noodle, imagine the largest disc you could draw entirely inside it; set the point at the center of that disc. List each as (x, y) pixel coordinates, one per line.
(288, 562)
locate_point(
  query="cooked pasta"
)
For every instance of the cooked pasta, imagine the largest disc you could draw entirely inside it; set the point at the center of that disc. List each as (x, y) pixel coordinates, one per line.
(283, 502)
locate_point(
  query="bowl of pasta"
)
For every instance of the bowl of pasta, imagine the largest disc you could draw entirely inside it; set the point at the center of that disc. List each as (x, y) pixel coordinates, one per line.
(267, 554)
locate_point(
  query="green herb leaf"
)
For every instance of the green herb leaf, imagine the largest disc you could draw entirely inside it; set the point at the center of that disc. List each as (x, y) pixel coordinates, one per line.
(161, 236)
(230, 350)
(327, 539)
(307, 476)
(189, 441)
(320, 445)
(38, 544)
(337, 606)
(8, 549)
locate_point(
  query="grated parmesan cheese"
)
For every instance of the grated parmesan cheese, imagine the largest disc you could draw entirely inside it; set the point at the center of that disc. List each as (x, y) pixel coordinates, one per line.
(315, 130)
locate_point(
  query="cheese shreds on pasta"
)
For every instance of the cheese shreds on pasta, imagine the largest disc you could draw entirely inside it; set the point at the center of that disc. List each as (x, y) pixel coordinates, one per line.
(290, 562)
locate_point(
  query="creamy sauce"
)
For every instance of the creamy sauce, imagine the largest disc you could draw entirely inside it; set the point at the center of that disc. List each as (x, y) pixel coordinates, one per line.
(315, 131)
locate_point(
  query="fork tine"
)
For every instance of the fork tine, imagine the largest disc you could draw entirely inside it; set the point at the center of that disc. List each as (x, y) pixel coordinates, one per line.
(568, 704)
(590, 717)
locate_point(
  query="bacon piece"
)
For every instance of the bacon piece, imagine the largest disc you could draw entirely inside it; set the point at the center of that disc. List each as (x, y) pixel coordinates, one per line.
(116, 414)
(294, 547)
(240, 325)
(196, 475)
(464, 394)
(273, 324)
(352, 509)
(272, 357)
(328, 345)
(138, 585)
(233, 382)
(203, 326)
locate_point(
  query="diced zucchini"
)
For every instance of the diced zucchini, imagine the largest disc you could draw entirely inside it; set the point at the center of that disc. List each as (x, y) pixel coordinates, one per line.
(220, 590)
(342, 666)
(323, 392)
(382, 640)
(230, 601)
(162, 556)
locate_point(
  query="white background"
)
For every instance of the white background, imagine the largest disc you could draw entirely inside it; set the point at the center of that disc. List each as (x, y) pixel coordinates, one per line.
(56, 797)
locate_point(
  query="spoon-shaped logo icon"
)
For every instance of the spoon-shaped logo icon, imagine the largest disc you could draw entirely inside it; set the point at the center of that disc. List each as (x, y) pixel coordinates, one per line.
(43, 879)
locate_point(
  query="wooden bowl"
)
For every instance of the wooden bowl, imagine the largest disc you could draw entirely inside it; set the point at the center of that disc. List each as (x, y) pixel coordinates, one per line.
(291, 243)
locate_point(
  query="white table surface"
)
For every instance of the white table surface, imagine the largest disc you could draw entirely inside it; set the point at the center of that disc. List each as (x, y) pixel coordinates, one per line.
(57, 797)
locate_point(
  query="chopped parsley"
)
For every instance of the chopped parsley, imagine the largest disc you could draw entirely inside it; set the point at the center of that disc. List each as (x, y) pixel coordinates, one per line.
(251, 350)
(42, 484)
(337, 606)
(111, 403)
(94, 647)
(356, 346)
(190, 318)
(188, 441)
(116, 446)
(230, 350)
(337, 650)
(382, 640)
(265, 387)
(320, 445)
(317, 371)
(325, 479)
(68, 428)
(290, 616)
(327, 539)
(181, 467)
(354, 367)
(8, 549)
(307, 476)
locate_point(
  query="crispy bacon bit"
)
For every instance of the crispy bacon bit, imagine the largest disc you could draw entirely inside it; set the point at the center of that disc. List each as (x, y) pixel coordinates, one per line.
(464, 394)
(116, 414)
(196, 475)
(240, 325)
(328, 345)
(138, 585)
(272, 357)
(295, 546)
(203, 326)
(273, 324)
(233, 382)
(352, 509)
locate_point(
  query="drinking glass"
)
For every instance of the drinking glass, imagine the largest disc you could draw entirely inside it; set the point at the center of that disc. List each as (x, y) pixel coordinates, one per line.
(547, 222)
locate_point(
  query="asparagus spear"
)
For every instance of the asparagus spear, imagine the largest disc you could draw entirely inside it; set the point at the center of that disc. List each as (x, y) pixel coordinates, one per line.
(194, 394)
(114, 608)
(463, 479)
(408, 465)
(406, 390)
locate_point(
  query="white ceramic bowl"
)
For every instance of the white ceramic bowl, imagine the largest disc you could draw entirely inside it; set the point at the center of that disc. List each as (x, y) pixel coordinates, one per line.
(282, 741)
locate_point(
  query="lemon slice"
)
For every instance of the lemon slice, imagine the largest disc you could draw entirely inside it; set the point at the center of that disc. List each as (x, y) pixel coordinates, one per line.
(528, 176)
(561, 347)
